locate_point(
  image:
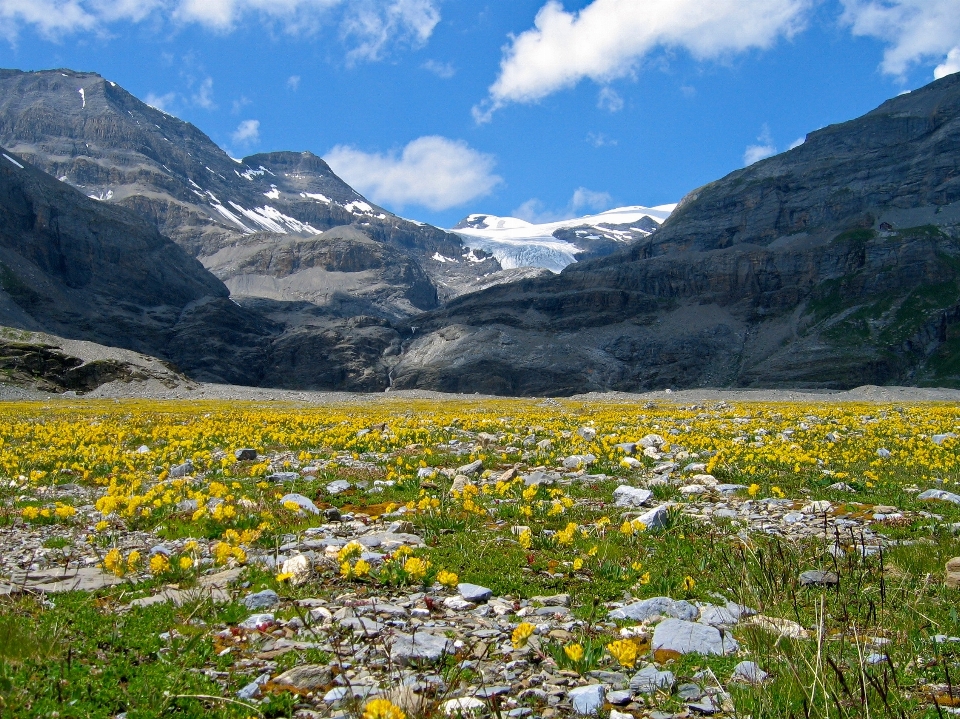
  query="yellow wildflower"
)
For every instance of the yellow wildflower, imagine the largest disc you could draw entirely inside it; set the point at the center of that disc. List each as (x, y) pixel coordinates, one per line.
(383, 709)
(624, 651)
(159, 564)
(521, 635)
(448, 579)
(574, 652)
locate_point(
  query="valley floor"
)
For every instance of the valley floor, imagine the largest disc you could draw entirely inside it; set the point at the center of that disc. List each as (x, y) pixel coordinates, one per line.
(265, 554)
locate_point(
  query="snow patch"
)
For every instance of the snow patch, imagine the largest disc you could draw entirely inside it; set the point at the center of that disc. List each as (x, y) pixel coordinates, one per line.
(103, 196)
(272, 220)
(317, 196)
(17, 163)
(358, 208)
(83, 97)
(443, 260)
(274, 193)
(517, 243)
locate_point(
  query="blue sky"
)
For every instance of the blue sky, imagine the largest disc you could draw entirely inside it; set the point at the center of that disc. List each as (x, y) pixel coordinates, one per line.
(440, 108)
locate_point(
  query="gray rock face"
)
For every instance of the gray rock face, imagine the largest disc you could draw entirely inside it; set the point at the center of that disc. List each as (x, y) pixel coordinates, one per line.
(818, 578)
(657, 518)
(307, 677)
(691, 638)
(657, 606)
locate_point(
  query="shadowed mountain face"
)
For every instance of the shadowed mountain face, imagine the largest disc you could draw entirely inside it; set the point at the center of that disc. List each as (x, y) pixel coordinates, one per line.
(833, 265)
(95, 136)
(85, 270)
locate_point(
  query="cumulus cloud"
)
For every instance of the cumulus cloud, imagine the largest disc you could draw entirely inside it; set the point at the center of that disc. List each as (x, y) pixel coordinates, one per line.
(433, 172)
(370, 26)
(915, 31)
(949, 66)
(582, 202)
(766, 148)
(608, 38)
(247, 133)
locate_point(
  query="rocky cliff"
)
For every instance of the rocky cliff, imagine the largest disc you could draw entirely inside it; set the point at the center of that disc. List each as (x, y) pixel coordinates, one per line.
(833, 265)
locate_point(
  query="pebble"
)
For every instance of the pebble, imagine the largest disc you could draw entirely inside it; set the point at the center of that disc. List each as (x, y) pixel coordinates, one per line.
(245, 455)
(650, 679)
(267, 599)
(474, 593)
(818, 578)
(462, 706)
(657, 606)
(304, 503)
(338, 487)
(749, 672)
(421, 647)
(940, 494)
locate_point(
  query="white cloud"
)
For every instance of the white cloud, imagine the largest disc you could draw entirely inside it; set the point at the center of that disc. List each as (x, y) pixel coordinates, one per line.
(293, 82)
(608, 38)
(372, 26)
(766, 148)
(796, 143)
(443, 70)
(203, 97)
(582, 202)
(916, 31)
(164, 103)
(432, 172)
(949, 66)
(598, 139)
(609, 100)
(247, 133)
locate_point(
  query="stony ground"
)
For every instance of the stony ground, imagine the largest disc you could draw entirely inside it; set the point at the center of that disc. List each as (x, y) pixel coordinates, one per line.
(650, 560)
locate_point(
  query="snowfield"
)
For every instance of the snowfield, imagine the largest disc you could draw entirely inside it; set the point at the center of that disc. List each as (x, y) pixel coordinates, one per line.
(517, 243)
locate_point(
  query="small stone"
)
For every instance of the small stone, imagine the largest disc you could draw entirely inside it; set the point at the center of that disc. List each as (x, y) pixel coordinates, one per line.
(266, 599)
(651, 440)
(576, 461)
(401, 527)
(818, 578)
(421, 647)
(939, 439)
(245, 455)
(587, 700)
(614, 714)
(307, 677)
(953, 573)
(545, 445)
(250, 691)
(626, 496)
(257, 621)
(588, 433)
(304, 503)
(749, 672)
(458, 604)
(707, 705)
(332, 514)
(817, 507)
(657, 518)
(471, 469)
(619, 697)
(632, 462)
(281, 477)
(182, 470)
(300, 567)
(689, 692)
(841, 487)
(657, 607)
(338, 487)
(685, 637)
(883, 453)
(556, 600)
(940, 494)
(875, 658)
(143, 449)
(474, 593)
(462, 706)
(650, 679)
(626, 447)
(460, 483)
(693, 489)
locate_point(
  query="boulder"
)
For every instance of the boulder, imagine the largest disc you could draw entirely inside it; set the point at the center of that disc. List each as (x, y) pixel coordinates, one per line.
(683, 637)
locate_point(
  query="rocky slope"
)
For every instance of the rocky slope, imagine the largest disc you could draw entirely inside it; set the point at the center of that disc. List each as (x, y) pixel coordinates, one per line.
(832, 265)
(92, 134)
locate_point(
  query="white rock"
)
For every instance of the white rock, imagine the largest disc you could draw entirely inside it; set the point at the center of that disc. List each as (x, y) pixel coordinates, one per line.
(587, 700)
(690, 638)
(588, 433)
(817, 507)
(300, 567)
(305, 503)
(462, 706)
(626, 496)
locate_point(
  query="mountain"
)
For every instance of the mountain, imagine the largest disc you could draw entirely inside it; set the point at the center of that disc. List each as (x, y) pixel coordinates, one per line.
(517, 243)
(95, 136)
(85, 270)
(833, 265)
